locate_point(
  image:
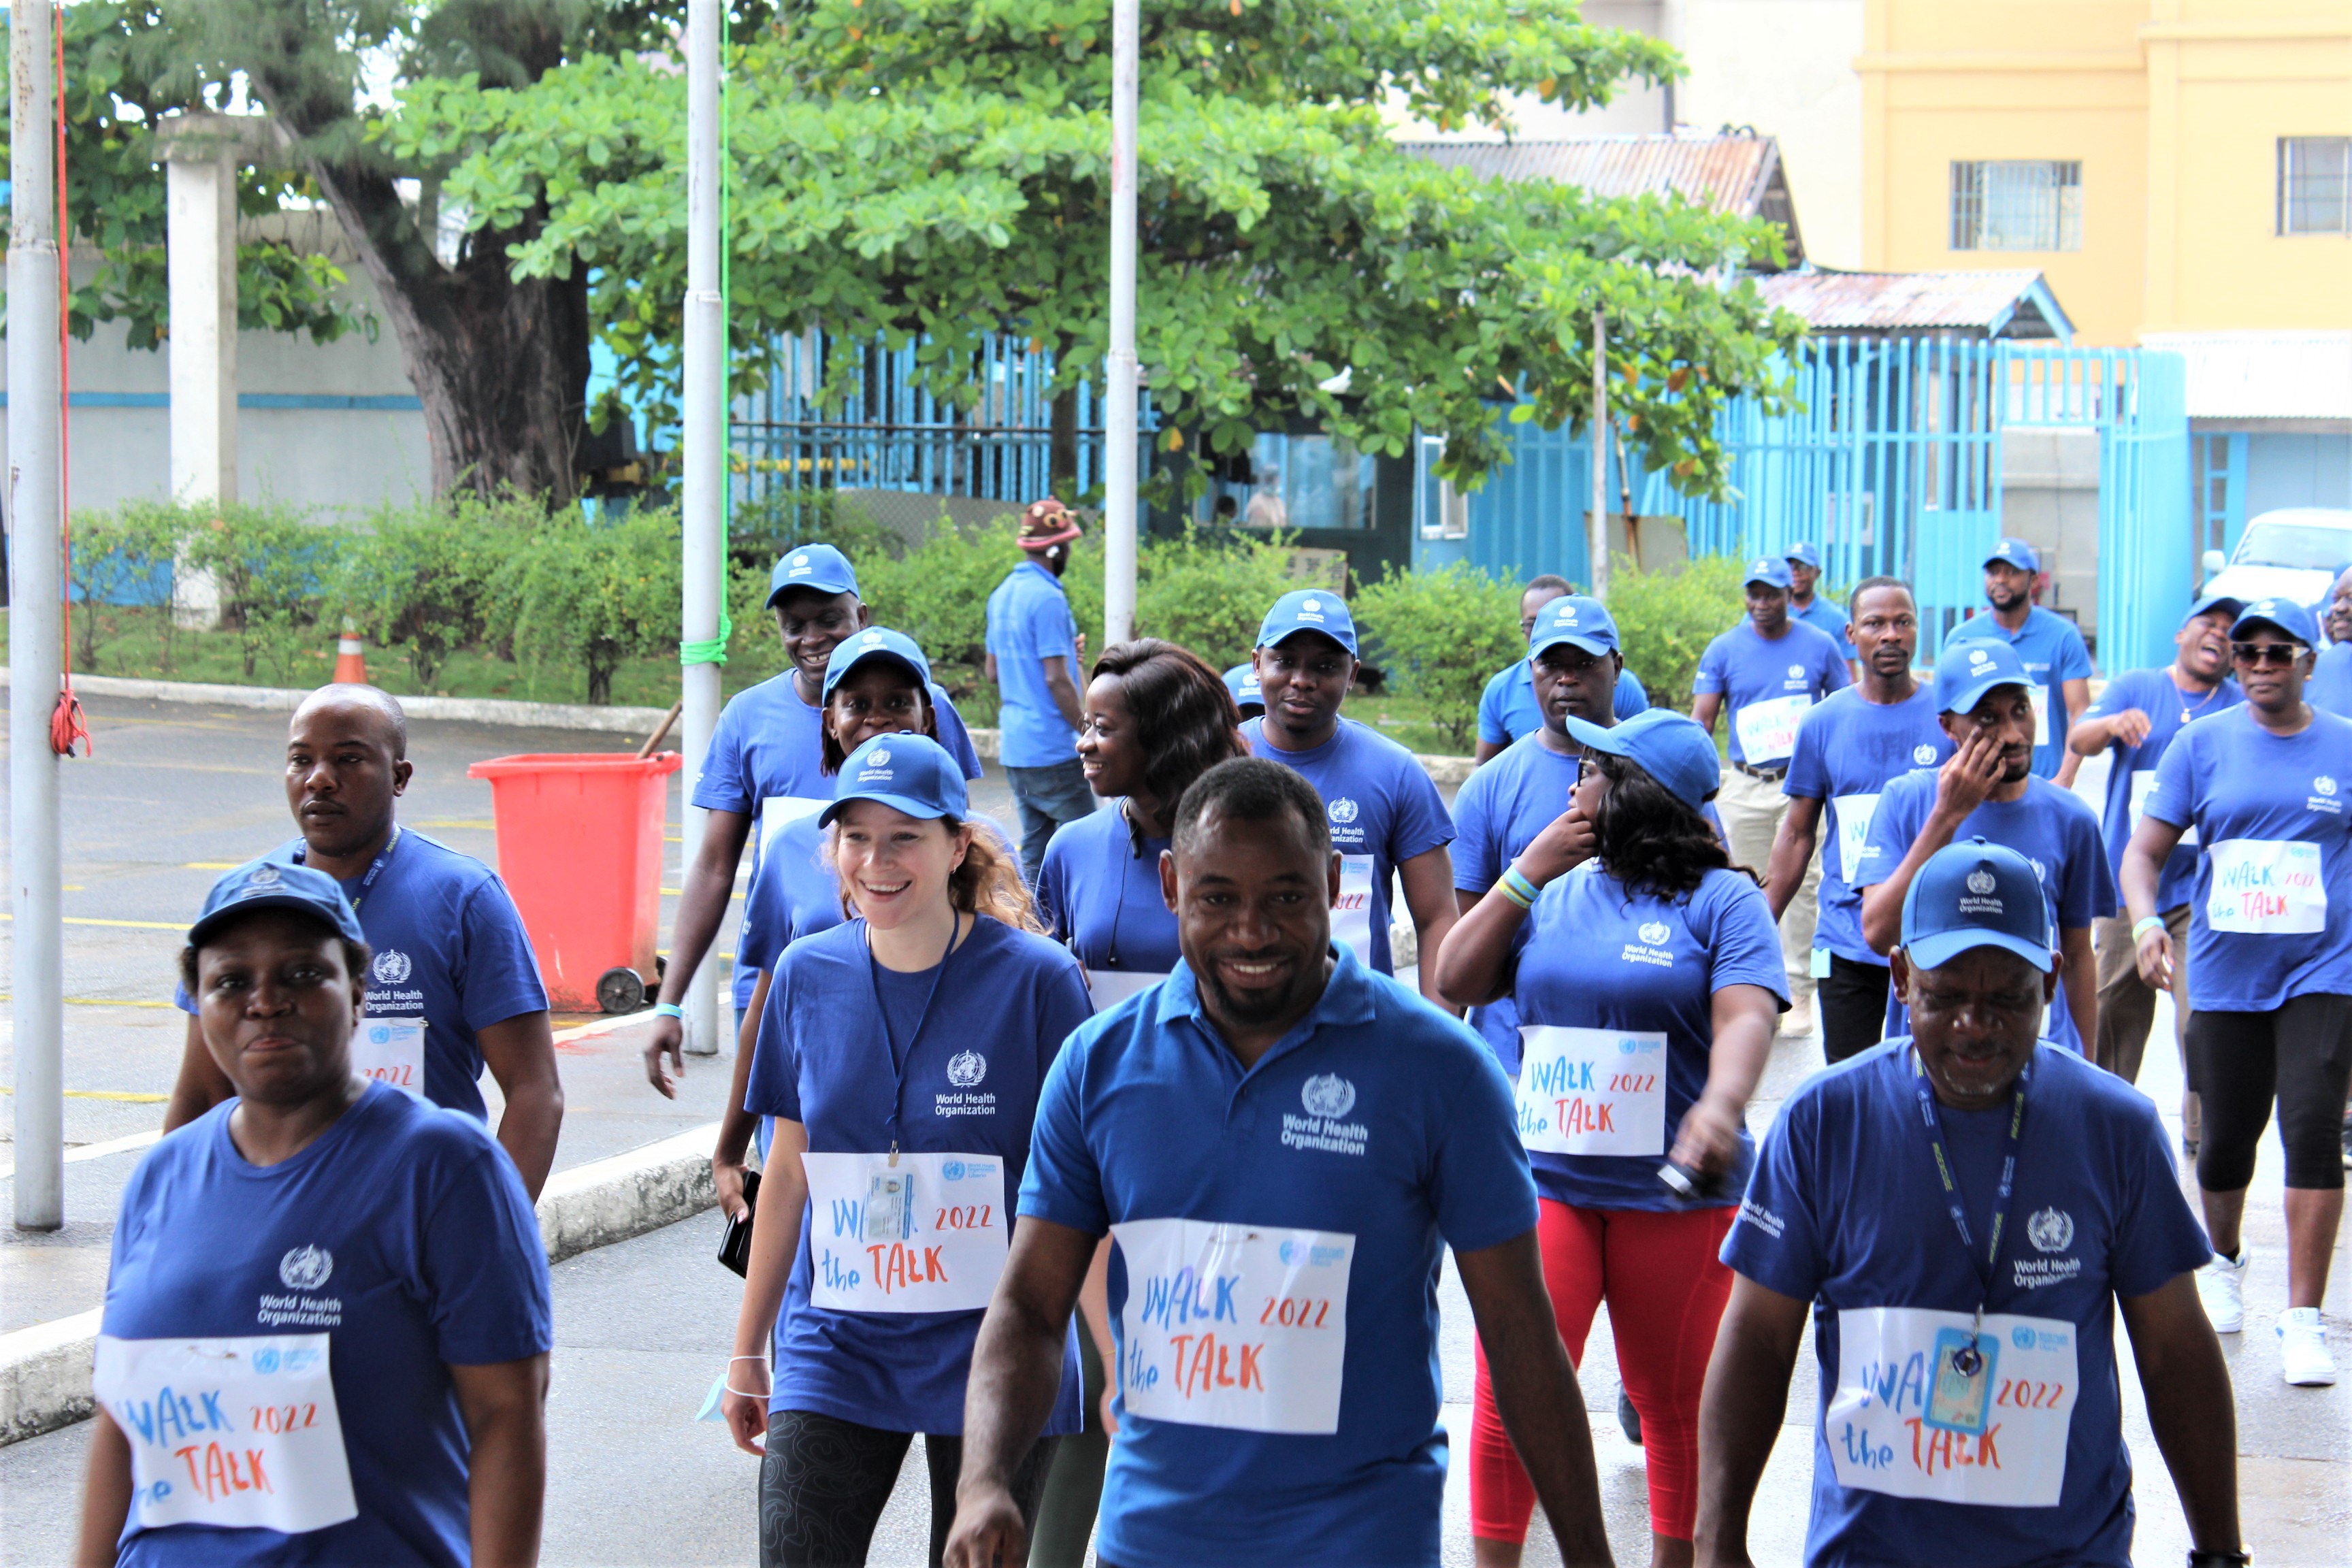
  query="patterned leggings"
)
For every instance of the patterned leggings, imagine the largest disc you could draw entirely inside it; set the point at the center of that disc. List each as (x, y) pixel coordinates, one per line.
(826, 1481)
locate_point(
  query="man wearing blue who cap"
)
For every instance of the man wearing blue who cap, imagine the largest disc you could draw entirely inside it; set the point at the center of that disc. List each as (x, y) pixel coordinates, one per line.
(2047, 644)
(1769, 670)
(1387, 818)
(1248, 697)
(2330, 686)
(1971, 1203)
(1817, 610)
(1509, 709)
(1034, 647)
(1988, 790)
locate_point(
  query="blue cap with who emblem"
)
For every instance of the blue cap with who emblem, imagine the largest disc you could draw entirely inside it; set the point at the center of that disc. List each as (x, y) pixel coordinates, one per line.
(1804, 553)
(267, 885)
(1976, 894)
(1308, 610)
(1576, 620)
(2014, 553)
(818, 567)
(2281, 616)
(913, 774)
(1970, 670)
(874, 642)
(1669, 747)
(1771, 573)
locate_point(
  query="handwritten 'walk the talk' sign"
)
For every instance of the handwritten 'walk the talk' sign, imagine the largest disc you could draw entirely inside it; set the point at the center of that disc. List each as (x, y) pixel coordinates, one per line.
(1884, 1426)
(926, 1235)
(2266, 887)
(1592, 1091)
(1234, 1325)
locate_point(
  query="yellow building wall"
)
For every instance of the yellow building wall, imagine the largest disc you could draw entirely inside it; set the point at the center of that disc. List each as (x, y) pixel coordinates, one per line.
(2174, 109)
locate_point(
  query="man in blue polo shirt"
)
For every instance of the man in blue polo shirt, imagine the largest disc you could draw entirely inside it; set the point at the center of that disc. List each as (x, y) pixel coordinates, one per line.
(1033, 657)
(1961, 1214)
(1847, 749)
(1819, 611)
(1508, 709)
(1278, 1140)
(2047, 644)
(1770, 670)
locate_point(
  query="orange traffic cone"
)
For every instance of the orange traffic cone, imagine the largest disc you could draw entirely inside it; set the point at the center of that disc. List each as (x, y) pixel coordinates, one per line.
(351, 660)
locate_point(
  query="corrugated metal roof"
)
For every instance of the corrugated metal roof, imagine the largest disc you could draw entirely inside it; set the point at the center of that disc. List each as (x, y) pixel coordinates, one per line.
(2263, 376)
(2013, 303)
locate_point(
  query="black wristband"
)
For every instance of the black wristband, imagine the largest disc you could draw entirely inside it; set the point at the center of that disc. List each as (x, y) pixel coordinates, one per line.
(2221, 1559)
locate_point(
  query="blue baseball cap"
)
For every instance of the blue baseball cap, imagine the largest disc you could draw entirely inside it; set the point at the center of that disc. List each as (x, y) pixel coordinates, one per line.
(913, 774)
(1976, 894)
(1576, 620)
(818, 567)
(874, 642)
(2280, 614)
(1806, 553)
(1972, 667)
(2213, 601)
(2015, 552)
(1308, 610)
(1773, 572)
(1669, 747)
(1241, 681)
(267, 885)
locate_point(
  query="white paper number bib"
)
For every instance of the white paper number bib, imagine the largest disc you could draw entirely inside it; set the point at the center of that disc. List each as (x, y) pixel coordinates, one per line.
(1592, 1091)
(1352, 916)
(2040, 695)
(2143, 785)
(1110, 987)
(2266, 887)
(1231, 1325)
(392, 1050)
(927, 1234)
(1881, 1431)
(1854, 815)
(240, 1433)
(1768, 730)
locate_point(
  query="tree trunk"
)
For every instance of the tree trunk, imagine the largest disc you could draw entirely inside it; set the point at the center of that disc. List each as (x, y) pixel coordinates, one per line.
(1062, 445)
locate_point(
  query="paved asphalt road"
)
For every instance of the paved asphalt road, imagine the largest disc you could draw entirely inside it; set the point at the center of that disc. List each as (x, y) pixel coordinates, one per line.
(177, 791)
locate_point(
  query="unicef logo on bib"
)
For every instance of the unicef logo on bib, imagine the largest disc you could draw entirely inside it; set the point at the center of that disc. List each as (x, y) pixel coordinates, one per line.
(306, 1267)
(1343, 811)
(1329, 1096)
(391, 967)
(966, 1069)
(1654, 933)
(2050, 1230)
(1923, 754)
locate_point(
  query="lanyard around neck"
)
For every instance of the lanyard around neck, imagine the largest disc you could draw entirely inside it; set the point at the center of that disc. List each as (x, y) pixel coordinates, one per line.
(900, 1059)
(375, 868)
(1955, 1204)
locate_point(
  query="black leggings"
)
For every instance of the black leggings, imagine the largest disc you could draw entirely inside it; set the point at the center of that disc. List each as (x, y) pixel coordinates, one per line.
(826, 1481)
(2300, 1055)
(1854, 1008)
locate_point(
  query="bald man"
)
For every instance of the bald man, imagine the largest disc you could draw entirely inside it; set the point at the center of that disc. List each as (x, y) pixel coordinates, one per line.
(452, 983)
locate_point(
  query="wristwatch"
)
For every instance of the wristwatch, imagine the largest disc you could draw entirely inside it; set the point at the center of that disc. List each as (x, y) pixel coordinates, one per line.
(2219, 1559)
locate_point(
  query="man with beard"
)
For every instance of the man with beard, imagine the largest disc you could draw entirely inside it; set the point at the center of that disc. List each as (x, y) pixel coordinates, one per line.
(2047, 645)
(1280, 1140)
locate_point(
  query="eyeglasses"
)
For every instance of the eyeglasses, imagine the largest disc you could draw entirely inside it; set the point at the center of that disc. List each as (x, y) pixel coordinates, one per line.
(1586, 766)
(2255, 655)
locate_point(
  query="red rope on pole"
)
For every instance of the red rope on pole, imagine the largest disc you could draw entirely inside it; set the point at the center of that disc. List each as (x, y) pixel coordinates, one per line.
(67, 723)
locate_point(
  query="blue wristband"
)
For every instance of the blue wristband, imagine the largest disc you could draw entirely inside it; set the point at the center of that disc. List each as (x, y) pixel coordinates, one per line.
(669, 1010)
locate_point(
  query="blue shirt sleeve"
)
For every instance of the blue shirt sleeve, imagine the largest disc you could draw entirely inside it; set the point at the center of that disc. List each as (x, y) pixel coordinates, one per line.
(1743, 944)
(1421, 822)
(2158, 1239)
(1480, 1185)
(1062, 1183)
(2087, 891)
(2173, 798)
(1835, 676)
(501, 973)
(485, 1267)
(1777, 1239)
(773, 1086)
(2071, 661)
(1053, 890)
(954, 736)
(1631, 697)
(1711, 672)
(724, 784)
(1475, 851)
(1490, 709)
(1809, 775)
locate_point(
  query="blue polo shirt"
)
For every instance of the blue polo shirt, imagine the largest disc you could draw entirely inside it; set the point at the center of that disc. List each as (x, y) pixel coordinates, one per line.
(1498, 814)
(1827, 616)
(448, 946)
(2052, 652)
(1846, 1211)
(1149, 1115)
(2330, 686)
(1029, 621)
(1099, 892)
(825, 1059)
(2051, 828)
(2268, 812)
(2131, 773)
(429, 1258)
(1507, 709)
(1799, 668)
(1380, 801)
(1847, 750)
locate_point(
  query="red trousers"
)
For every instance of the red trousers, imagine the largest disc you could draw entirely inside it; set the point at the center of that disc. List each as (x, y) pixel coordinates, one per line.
(1665, 1290)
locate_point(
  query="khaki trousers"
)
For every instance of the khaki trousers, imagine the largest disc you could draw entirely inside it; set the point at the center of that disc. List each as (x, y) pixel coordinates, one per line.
(1751, 809)
(2127, 1006)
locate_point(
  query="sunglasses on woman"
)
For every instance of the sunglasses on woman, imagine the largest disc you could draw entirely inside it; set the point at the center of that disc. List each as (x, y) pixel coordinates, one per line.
(2255, 655)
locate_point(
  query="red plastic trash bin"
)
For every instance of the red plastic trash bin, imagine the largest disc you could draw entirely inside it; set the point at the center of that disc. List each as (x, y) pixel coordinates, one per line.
(579, 846)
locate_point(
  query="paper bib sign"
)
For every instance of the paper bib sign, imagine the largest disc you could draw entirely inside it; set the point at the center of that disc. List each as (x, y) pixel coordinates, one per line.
(1854, 815)
(2143, 785)
(392, 1050)
(2040, 695)
(240, 1433)
(779, 812)
(1234, 1325)
(1592, 1091)
(1112, 986)
(2266, 887)
(1881, 1431)
(1768, 730)
(927, 1234)
(1351, 915)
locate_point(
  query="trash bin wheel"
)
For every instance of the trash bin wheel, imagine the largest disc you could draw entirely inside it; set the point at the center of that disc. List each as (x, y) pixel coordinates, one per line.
(620, 989)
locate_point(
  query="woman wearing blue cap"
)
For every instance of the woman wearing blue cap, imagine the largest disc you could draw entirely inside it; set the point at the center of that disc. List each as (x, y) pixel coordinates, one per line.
(901, 1055)
(2270, 981)
(1648, 977)
(326, 1326)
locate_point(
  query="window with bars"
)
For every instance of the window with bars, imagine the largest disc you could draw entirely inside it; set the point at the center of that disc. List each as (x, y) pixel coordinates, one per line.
(2314, 184)
(2017, 205)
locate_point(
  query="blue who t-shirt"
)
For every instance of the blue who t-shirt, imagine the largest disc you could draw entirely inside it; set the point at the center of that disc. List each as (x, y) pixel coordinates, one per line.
(1846, 1211)
(1380, 801)
(1778, 678)
(426, 1256)
(2330, 686)
(1029, 622)
(1507, 709)
(1847, 750)
(1591, 956)
(2270, 917)
(2050, 827)
(2052, 652)
(448, 947)
(824, 1059)
(2131, 771)
(1498, 814)
(1098, 892)
(1149, 1115)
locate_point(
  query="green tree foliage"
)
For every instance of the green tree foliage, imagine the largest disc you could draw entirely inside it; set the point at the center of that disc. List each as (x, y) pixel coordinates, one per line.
(1442, 634)
(587, 596)
(1665, 619)
(423, 577)
(1208, 593)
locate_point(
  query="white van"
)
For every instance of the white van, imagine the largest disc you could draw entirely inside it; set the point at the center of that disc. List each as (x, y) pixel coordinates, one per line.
(2292, 553)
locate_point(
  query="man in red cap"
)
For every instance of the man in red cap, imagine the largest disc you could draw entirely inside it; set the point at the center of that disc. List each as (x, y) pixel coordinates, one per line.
(1033, 657)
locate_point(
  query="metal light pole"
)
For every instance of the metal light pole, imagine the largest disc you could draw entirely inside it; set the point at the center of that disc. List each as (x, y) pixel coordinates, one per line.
(36, 601)
(1596, 524)
(1120, 370)
(704, 440)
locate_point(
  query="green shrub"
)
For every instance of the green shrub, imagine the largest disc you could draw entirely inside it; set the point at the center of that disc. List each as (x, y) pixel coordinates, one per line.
(421, 578)
(583, 596)
(274, 570)
(1665, 619)
(124, 555)
(1442, 634)
(1207, 593)
(938, 591)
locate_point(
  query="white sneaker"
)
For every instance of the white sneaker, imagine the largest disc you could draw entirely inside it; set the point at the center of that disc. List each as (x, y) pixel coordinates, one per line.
(2303, 1349)
(2221, 1286)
